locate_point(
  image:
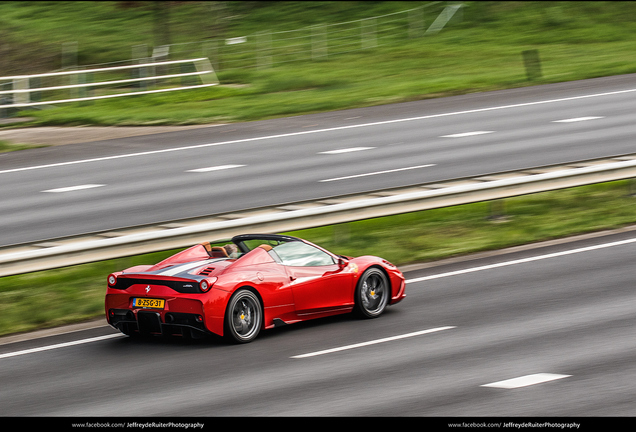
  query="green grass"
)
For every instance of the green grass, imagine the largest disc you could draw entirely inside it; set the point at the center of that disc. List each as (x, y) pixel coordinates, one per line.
(481, 52)
(6, 146)
(72, 294)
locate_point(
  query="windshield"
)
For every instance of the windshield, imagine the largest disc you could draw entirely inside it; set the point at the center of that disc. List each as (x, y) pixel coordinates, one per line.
(299, 254)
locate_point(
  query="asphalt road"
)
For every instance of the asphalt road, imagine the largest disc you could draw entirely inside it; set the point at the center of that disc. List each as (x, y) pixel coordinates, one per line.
(541, 332)
(87, 187)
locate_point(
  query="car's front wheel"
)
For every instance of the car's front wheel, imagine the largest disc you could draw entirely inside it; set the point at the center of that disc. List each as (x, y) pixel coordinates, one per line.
(244, 316)
(372, 293)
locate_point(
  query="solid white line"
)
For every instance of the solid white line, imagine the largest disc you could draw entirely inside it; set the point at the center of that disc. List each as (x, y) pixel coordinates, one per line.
(61, 345)
(577, 119)
(522, 261)
(347, 150)
(198, 146)
(377, 341)
(466, 134)
(377, 173)
(214, 168)
(73, 188)
(526, 380)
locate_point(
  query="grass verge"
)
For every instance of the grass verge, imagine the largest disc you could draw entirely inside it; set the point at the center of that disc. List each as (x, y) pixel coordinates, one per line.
(482, 51)
(6, 146)
(73, 294)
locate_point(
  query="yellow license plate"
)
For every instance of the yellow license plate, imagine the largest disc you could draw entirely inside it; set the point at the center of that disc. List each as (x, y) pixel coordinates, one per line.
(148, 303)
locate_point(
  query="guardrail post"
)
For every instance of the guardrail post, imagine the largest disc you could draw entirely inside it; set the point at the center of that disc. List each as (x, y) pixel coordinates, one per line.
(341, 233)
(631, 186)
(532, 63)
(497, 211)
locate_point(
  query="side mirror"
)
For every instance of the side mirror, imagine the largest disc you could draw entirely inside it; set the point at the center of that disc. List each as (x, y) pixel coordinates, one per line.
(342, 263)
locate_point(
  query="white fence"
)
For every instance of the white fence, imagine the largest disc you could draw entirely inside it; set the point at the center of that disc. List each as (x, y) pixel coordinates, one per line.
(106, 82)
(319, 42)
(259, 50)
(23, 259)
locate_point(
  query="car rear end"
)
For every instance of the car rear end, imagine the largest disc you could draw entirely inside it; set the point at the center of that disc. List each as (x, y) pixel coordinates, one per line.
(142, 305)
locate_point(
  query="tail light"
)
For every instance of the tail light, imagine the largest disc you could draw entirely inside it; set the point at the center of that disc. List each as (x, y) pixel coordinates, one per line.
(112, 280)
(206, 284)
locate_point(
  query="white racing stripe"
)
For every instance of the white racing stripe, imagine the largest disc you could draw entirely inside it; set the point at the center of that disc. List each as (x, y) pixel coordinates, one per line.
(432, 116)
(522, 260)
(171, 271)
(61, 345)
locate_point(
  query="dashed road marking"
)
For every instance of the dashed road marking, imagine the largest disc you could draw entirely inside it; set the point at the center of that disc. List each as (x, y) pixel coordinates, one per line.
(377, 173)
(373, 342)
(525, 381)
(73, 188)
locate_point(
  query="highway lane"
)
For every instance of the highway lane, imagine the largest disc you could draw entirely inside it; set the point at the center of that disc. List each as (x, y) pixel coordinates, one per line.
(106, 185)
(546, 331)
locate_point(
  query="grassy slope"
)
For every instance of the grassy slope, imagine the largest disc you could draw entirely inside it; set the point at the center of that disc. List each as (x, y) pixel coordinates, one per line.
(575, 39)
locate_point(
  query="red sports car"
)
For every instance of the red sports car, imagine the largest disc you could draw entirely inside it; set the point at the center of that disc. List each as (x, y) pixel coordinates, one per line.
(256, 282)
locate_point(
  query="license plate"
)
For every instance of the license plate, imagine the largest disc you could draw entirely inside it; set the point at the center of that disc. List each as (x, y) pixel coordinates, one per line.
(148, 303)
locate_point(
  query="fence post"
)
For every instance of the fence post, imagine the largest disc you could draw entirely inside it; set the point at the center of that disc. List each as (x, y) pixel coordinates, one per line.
(140, 56)
(369, 33)
(69, 61)
(21, 97)
(210, 50)
(263, 48)
(416, 23)
(318, 42)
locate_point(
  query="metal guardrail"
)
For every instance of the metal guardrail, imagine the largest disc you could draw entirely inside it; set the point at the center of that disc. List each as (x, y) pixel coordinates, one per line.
(171, 235)
(22, 88)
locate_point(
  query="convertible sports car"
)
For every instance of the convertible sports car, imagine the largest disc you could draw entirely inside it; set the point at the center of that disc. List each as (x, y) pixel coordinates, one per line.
(256, 282)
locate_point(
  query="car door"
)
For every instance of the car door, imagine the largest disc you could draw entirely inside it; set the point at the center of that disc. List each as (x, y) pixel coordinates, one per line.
(317, 280)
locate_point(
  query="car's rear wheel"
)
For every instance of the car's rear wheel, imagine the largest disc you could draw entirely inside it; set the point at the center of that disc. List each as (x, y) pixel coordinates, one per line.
(372, 293)
(244, 317)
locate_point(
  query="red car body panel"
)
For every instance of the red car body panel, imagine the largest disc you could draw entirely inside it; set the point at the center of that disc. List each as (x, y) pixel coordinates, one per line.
(288, 293)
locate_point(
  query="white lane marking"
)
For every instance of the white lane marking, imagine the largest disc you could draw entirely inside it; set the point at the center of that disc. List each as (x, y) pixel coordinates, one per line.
(347, 150)
(61, 345)
(198, 146)
(466, 134)
(526, 380)
(577, 119)
(214, 168)
(522, 261)
(73, 188)
(377, 341)
(377, 173)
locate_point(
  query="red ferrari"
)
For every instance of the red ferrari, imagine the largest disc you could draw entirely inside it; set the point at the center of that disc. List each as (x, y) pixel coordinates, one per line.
(256, 282)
